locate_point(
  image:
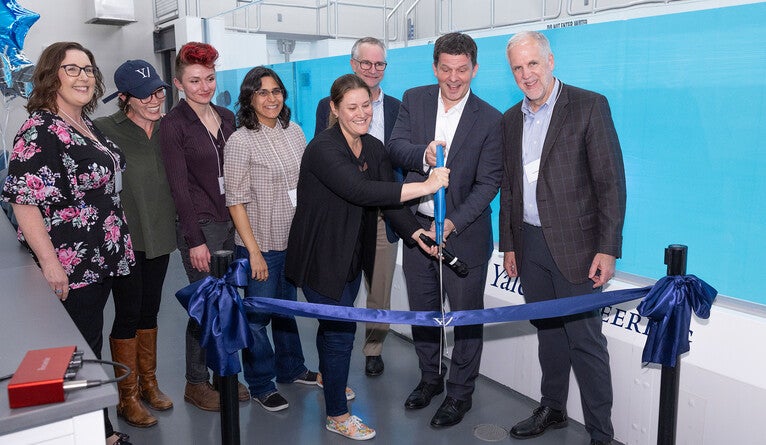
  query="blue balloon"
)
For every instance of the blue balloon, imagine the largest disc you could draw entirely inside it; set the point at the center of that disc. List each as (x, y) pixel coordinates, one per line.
(17, 69)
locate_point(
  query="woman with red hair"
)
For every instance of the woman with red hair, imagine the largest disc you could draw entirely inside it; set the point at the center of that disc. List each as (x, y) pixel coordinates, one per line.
(192, 136)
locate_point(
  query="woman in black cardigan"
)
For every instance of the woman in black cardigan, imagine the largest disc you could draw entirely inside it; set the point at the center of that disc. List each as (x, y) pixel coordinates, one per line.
(345, 176)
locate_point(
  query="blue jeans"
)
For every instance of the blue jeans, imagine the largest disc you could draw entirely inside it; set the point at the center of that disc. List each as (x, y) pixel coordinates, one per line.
(261, 362)
(335, 340)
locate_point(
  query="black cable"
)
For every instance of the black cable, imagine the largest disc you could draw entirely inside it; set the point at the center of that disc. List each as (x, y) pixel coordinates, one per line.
(70, 385)
(109, 362)
(6, 377)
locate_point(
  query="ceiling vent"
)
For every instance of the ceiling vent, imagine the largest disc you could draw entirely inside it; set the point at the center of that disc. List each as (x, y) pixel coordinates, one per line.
(111, 12)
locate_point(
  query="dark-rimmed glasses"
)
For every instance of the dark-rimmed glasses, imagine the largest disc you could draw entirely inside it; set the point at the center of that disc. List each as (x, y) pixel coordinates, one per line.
(159, 95)
(264, 93)
(73, 70)
(366, 64)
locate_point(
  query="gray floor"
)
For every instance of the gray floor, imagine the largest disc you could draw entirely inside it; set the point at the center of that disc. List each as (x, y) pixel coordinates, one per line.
(379, 400)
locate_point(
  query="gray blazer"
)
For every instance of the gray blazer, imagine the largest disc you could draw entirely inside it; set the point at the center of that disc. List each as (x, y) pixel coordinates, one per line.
(580, 187)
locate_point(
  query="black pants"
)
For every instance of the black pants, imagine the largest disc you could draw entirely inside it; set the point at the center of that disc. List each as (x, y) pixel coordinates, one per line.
(421, 272)
(137, 296)
(572, 343)
(85, 306)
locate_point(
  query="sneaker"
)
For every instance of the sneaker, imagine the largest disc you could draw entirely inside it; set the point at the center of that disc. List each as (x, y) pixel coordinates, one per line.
(350, 394)
(307, 378)
(353, 428)
(272, 402)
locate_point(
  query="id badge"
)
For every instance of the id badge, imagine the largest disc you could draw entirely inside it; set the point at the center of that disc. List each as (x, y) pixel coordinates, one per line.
(293, 194)
(221, 187)
(532, 170)
(118, 181)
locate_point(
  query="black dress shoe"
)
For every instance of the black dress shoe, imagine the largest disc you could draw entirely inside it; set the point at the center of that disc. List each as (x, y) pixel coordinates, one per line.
(542, 418)
(451, 412)
(421, 396)
(373, 365)
(599, 442)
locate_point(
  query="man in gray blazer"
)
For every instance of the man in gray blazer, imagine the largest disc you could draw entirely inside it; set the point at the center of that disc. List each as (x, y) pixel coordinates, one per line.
(469, 128)
(562, 207)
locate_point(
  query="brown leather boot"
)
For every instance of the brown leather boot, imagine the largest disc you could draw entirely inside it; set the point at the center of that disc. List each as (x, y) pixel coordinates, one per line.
(130, 407)
(147, 370)
(203, 396)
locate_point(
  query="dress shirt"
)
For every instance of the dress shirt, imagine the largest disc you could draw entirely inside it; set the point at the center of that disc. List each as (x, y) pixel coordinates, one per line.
(193, 162)
(377, 125)
(260, 168)
(145, 194)
(536, 125)
(446, 125)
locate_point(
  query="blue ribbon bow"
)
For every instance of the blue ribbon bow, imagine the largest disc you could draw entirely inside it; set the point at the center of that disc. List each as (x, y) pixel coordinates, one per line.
(668, 306)
(216, 305)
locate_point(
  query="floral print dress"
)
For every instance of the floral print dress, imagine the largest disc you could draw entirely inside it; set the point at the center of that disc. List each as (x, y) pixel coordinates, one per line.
(71, 179)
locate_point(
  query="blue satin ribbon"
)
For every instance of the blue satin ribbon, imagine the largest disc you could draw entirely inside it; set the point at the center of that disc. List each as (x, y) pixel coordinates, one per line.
(668, 306)
(531, 311)
(216, 305)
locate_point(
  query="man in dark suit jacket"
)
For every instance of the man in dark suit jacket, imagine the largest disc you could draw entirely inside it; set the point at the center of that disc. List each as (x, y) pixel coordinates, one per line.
(368, 61)
(449, 114)
(562, 207)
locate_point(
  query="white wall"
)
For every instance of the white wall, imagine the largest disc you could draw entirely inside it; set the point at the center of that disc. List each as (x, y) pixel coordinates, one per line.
(236, 50)
(64, 20)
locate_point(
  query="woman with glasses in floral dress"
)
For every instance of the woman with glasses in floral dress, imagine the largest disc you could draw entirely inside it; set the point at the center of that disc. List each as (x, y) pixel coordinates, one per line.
(63, 183)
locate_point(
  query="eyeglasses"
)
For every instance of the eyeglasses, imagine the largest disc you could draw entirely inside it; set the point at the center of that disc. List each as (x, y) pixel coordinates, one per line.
(73, 70)
(366, 64)
(159, 94)
(276, 92)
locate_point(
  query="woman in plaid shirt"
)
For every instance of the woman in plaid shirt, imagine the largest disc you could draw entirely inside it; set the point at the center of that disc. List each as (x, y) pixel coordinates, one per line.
(261, 164)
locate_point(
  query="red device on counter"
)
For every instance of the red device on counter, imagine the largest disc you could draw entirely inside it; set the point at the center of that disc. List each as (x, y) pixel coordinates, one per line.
(40, 377)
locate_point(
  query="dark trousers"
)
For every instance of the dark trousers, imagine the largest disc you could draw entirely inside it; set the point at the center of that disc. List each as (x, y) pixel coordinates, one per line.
(85, 305)
(572, 343)
(218, 236)
(421, 273)
(137, 296)
(335, 341)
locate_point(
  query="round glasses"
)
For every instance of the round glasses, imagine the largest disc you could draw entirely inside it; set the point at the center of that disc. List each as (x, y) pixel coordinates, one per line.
(159, 95)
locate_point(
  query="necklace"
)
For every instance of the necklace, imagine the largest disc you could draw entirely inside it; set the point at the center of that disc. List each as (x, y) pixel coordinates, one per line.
(99, 146)
(215, 119)
(212, 142)
(80, 125)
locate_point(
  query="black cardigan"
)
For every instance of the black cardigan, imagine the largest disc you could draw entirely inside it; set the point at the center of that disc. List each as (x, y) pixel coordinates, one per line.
(334, 199)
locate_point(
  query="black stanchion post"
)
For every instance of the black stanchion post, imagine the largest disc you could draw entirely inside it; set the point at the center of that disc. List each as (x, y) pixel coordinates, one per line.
(675, 258)
(227, 387)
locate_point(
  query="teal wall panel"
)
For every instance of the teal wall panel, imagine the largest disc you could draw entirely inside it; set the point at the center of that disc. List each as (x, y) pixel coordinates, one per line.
(688, 98)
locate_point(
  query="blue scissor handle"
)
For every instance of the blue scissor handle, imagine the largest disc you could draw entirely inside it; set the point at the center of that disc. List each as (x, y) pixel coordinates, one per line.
(439, 204)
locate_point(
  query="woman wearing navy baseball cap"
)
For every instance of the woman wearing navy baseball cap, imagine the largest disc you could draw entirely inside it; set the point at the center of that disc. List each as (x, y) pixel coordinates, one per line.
(150, 213)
